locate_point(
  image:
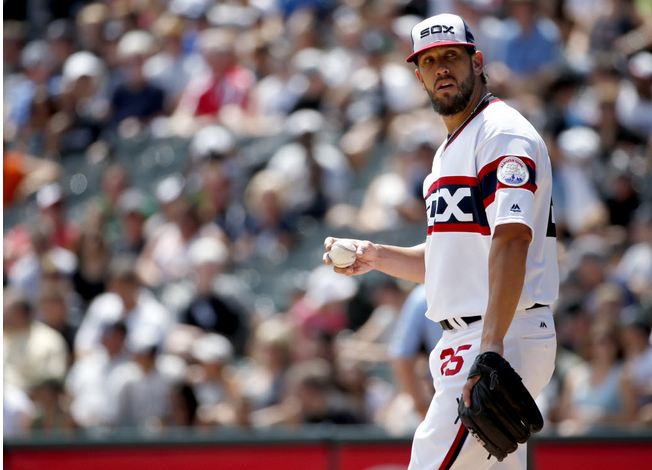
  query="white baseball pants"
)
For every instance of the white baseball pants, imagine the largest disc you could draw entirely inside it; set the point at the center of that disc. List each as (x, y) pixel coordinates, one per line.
(440, 443)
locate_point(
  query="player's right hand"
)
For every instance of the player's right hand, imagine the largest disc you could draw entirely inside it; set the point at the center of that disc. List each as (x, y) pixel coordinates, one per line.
(366, 257)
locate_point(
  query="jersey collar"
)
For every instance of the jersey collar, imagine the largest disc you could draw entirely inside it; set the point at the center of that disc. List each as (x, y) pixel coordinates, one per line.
(484, 102)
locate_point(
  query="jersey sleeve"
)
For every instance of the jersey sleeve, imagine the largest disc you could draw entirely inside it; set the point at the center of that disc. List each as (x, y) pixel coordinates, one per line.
(507, 175)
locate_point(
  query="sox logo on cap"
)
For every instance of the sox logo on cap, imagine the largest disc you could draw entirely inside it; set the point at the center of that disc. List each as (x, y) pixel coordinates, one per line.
(440, 30)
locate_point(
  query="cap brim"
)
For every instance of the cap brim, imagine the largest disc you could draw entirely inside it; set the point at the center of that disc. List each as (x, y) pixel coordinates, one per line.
(437, 44)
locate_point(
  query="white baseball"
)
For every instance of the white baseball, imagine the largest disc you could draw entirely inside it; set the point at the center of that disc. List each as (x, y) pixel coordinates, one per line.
(342, 253)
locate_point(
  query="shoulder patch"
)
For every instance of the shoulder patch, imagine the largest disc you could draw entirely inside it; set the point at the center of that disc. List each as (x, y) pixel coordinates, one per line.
(512, 172)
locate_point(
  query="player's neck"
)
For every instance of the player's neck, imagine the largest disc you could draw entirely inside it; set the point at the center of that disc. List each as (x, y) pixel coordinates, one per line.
(456, 120)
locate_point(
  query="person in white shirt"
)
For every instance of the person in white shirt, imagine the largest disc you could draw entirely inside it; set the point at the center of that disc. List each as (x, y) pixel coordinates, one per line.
(17, 411)
(32, 352)
(92, 380)
(128, 301)
(143, 394)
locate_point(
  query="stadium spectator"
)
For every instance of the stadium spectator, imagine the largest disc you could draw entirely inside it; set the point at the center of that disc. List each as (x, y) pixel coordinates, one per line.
(211, 379)
(218, 202)
(165, 257)
(634, 104)
(311, 91)
(55, 229)
(591, 394)
(183, 406)
(216, 148)
(170, 69)
(262, 376)
(145, 385)
(52, 416)
(17, 411)
(32, 351)
(114, 181)
(92, 381)
(60, 36)
(637, 379)
(54, 311)
(623, 200)
(635, 267)
(317, 174)
(28, 273)
(93, 258)
(313, 397)
(132, 210)
(90, 23)
(369, 344)
(366, 393)
(224, 86)
(83, 106)
(168, 191)
(270, 222)
(136, 97)
(208, 310)
(531, 42)
(321, 310)
(126, 300)
(37, 136)
(36, 63)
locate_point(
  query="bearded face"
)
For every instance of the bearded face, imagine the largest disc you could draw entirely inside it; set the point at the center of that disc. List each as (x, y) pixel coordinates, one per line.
(449, 105)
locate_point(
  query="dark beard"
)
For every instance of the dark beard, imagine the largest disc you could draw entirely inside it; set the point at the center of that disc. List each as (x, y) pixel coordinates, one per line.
(459, 102)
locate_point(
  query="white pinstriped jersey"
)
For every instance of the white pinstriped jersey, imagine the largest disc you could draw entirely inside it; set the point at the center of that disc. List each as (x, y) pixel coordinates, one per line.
(494, 170)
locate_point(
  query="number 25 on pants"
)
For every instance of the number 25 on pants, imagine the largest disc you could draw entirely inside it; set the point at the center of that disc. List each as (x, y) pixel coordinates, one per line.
(452, 361)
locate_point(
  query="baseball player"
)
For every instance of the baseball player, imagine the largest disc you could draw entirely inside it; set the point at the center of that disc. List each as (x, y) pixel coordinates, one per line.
(489, 262)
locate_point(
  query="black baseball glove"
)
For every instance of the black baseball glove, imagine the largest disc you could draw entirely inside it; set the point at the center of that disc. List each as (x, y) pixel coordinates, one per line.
(502, 412)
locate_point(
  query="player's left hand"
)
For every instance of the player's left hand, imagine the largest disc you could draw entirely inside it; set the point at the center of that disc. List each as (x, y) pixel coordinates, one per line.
(466, 391)
(468, 386)
(502, 414)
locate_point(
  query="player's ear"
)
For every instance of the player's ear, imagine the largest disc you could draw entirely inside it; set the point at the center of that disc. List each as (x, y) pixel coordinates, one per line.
(418, 74)
(477, 60)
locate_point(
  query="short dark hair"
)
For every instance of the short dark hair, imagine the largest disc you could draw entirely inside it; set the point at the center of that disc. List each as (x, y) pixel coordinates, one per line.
(472, 50)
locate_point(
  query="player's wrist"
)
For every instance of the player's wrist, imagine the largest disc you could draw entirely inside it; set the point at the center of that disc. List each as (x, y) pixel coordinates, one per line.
(492, 346)
(382, 255)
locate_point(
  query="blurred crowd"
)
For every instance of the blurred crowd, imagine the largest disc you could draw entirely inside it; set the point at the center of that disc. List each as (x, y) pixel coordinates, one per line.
(130, 311)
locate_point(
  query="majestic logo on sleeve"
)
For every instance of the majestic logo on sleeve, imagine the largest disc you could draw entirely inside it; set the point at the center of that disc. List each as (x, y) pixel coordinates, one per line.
(512, 172)
(454, 204)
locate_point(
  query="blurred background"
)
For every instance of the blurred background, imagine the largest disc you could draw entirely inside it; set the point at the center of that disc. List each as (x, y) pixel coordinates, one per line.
(171, 168)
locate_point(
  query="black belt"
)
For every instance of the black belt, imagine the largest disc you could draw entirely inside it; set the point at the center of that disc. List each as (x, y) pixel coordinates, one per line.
(536, 306)
(446, 325)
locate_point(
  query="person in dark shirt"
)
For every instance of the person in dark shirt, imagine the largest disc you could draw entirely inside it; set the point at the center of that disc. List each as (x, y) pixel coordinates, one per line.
(210, 313)
(93, 254)
(132, 209)
(209, 310)
(317, 399)
(53, 310)
(142, 102)
(136, 97)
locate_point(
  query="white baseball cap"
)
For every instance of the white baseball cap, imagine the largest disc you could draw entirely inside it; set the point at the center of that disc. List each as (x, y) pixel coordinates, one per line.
(440, 30)
(212, 348)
